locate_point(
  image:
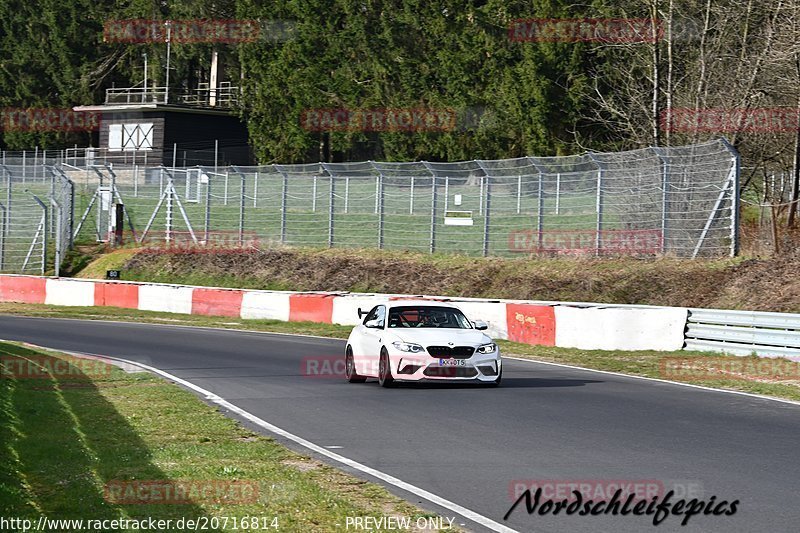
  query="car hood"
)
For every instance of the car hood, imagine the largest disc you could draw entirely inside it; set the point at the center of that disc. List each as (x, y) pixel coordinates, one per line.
(441, 336)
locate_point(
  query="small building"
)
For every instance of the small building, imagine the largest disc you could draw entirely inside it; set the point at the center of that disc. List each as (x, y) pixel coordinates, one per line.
(155, 125)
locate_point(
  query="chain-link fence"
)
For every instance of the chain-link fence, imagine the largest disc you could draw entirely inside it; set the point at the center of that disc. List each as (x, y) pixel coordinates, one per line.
(679, 201)
(35, 218)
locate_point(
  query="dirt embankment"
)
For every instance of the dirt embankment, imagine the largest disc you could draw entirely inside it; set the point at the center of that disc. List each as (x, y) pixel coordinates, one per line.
(770, 284)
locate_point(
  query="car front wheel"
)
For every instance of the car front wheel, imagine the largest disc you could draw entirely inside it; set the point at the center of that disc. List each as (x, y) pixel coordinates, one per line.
(350, 368)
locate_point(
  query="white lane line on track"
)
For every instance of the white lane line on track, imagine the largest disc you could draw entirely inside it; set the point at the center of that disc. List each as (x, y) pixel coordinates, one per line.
(690, 385)
(391, 480)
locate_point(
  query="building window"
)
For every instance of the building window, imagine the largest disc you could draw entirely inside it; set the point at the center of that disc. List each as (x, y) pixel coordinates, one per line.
(129, 137)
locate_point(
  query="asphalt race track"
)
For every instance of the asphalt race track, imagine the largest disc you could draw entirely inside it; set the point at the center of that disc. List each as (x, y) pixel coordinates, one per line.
(470, 444)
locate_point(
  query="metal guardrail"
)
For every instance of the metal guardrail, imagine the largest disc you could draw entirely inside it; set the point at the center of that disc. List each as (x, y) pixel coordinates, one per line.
(744, 332)
(224, 96)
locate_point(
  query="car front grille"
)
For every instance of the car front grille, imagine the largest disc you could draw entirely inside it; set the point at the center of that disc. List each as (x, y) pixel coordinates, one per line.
(456, 352)
(450, 372)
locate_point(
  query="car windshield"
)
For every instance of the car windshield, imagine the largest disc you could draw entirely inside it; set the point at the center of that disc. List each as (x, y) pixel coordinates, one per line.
(427, 317)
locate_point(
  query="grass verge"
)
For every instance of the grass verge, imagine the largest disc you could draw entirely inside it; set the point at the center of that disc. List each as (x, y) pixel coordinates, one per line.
(778, 378)
(73, 440)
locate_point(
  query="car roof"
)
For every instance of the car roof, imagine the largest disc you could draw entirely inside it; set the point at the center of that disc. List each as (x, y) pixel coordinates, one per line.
(415, 303)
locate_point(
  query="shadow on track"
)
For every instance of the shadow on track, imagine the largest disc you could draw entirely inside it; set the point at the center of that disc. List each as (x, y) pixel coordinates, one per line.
(508, 383)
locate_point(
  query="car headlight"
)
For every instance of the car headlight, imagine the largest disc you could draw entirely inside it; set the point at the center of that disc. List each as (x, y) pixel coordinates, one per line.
(408, 347)
(486, 348)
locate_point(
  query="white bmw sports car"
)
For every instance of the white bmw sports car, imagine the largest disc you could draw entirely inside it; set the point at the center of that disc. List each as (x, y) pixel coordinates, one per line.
(420, 341)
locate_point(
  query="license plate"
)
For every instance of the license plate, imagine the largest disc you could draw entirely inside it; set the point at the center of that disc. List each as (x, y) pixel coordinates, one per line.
(452, 362)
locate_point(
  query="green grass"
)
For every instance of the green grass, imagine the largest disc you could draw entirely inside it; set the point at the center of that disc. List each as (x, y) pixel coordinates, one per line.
(64, 438)
(645, 363)
(110, 261)
(663, 281)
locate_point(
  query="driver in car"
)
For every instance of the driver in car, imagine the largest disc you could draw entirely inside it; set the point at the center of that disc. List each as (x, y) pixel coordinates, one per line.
(427, 320)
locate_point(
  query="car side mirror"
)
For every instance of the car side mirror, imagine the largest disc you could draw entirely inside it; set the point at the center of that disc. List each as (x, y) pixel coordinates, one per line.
(361, 313)
(374, 323)
(481, 325)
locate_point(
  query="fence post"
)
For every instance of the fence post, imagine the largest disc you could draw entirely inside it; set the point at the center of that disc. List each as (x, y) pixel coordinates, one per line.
(599, 242)
(736, 198)
(411, 198)
(558, 193)
(24, 171)
(314, 194)
(216, 154)
(519, 194)
(35, 162)
(447, 194)
(207, 217)
(57, 214)
(4, 221)
(480, 196)
(71, 224)
(377, 186)
(284, 191)
(255, 189)
(44, 237)
(241, 210)
(433, 214)
(664, 197)
(330, 212)
(598, 245)
(346, 193)
(52, 194)
(135, 181)
(225, 202)
(66, 207)
(381, 214)
(486, 219)
(43, 226)
(486, 216)
(540, 213)
(7, 225)
(168, 225)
